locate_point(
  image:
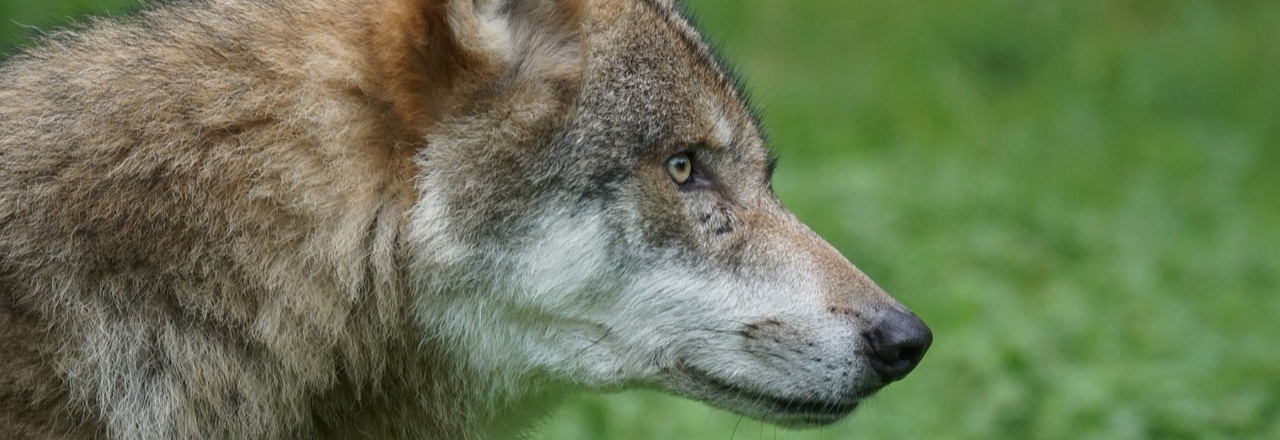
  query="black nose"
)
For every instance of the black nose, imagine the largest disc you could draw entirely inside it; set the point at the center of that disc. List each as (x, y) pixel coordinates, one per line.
(898, 343)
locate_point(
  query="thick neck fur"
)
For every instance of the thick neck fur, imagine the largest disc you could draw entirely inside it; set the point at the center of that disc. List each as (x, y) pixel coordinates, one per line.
(426, 394)
(248, 264)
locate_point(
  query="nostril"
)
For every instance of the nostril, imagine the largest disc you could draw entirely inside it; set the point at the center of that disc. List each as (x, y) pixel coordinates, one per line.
(898, 343)
(911, 354)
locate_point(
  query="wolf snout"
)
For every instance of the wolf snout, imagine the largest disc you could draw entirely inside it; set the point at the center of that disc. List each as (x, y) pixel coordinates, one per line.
(898, 343)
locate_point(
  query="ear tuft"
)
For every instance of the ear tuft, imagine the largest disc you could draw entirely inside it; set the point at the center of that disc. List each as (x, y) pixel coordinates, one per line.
(428, 53)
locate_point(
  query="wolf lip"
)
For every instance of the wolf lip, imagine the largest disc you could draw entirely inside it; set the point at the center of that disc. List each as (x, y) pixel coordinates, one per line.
(809, 411)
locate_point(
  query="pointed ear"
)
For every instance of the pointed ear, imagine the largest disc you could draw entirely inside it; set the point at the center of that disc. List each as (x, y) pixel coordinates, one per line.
(428, 54)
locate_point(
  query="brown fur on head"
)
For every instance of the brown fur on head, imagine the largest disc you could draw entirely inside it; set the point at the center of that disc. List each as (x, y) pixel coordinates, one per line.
(402, 219)
(432, 54)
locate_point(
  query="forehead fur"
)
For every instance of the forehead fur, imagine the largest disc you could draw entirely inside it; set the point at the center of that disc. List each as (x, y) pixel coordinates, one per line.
(647, 21)
(645, 58)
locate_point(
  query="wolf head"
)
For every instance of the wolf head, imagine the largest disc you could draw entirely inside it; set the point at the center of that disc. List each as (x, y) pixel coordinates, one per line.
(594, 209)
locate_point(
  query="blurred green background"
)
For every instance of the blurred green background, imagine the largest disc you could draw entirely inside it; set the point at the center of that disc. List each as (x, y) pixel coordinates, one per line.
(1082, 197)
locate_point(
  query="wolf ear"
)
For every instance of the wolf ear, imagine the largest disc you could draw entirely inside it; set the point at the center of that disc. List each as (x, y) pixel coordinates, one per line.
(429, 54)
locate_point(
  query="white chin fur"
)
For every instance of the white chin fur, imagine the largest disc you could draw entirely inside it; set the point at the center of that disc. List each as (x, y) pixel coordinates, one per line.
(570, 312)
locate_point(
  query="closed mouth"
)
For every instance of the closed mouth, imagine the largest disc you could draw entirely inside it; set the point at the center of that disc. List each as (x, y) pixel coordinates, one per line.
(808, 411)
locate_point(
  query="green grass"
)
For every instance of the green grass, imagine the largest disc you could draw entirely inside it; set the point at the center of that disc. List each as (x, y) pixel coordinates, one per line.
(1081, 197)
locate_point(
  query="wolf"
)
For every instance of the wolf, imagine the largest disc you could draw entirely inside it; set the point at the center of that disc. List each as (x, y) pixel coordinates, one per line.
(405, 219)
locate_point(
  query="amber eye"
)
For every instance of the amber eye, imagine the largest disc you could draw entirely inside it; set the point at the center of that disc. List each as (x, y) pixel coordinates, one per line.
(680, 167)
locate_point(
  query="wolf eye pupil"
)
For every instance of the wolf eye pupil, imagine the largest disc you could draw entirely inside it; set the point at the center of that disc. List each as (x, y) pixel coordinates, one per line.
(680, 167)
